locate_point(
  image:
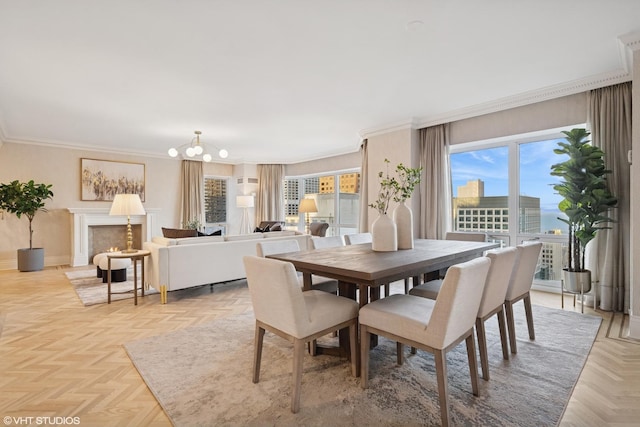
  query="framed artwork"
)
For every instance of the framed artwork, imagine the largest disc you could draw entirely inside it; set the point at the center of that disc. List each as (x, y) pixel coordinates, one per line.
(103, 179)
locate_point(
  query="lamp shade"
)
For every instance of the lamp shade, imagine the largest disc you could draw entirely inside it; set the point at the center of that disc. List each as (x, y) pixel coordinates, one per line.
(127, 204)
(307, 206)
(244, 201)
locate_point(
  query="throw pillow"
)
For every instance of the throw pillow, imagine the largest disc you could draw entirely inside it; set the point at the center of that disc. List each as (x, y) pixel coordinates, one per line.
(177, 233)
(275, 227)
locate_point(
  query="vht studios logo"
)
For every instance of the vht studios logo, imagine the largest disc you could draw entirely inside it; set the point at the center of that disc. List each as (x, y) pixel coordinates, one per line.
(45, 421)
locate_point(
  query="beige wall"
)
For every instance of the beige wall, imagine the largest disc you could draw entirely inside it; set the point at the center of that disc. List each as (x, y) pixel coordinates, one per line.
(555, 113)
(61, 168)
(400, 146)
(327, 164)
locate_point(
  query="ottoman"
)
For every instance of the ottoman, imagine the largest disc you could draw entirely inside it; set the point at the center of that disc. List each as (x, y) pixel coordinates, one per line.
(118, 269)
(96, 261)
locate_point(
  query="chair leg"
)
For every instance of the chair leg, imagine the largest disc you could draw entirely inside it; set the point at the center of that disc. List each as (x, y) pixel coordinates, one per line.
(387, 289)
(482, 348)
(399, 353)
(529, 313)
(257, 353)
(298, 354)
(353, 348)
(511, 324)
(443, 391)
(473, 363)
(406, 285)
(365, 342)
(503, 334)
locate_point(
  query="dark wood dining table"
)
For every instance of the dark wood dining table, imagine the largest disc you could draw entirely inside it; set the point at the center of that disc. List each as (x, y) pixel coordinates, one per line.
(358, 267)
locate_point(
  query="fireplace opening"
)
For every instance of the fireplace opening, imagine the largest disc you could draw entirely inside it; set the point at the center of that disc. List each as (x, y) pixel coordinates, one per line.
(102, 238)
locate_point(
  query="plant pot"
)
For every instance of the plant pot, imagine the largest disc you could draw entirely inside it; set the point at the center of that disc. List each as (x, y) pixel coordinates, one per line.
(577, 281)
(31, 259)
(384, 234)
(403, 218)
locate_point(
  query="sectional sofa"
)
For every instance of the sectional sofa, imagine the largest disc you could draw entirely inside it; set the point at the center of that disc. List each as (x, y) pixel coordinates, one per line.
(194, 261)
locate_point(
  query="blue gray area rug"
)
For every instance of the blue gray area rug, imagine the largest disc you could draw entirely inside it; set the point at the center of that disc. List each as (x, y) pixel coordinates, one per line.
(201, 376)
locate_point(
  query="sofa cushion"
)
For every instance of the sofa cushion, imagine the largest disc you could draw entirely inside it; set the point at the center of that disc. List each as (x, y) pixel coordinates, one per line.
(215, 233)
(176, 233)
(254, 236)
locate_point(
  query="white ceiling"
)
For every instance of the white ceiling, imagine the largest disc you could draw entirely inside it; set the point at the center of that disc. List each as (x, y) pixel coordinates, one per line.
(282, 81)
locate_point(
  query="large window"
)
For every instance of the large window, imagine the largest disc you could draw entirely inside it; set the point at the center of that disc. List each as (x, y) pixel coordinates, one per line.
(505, 189)
(337, 197)
(215, 201)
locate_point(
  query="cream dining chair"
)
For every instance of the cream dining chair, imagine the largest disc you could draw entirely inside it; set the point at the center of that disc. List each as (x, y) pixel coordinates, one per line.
(281, 307)
(520, 287)
(358, 238)
(327, 242)
(435, 326)
(273, 247)
(492, 302)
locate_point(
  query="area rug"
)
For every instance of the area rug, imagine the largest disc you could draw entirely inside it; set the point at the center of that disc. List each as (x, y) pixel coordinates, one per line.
(91, 290)
(201, 376)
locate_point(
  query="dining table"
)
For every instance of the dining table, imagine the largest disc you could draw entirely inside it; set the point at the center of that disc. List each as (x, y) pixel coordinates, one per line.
(361, 270)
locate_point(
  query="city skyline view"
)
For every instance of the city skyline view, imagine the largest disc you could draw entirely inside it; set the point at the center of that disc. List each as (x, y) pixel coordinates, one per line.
(491, 165)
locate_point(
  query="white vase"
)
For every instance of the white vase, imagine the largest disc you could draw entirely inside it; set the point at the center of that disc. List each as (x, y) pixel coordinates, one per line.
(384, 234)
(403, 218)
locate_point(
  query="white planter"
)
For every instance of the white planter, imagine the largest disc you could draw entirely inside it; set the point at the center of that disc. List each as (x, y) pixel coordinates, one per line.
(403, 218)
(577, 282)
(384, 234)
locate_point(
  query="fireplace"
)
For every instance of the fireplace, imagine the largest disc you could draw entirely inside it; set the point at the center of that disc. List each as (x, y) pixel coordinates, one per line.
(86, 221)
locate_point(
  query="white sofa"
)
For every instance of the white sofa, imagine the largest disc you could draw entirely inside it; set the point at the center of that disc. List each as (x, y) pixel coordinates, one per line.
(195, 261)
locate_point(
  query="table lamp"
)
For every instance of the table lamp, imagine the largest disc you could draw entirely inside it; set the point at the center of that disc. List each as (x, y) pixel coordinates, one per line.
(127, 204)
(307, 206)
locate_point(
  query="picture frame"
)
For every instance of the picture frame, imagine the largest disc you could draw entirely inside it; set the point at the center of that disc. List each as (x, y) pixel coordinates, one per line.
(101, 180)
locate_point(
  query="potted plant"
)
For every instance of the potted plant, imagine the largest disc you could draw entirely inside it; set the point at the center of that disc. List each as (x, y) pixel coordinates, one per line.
(26, 198)
(385, 233)
(586, 202)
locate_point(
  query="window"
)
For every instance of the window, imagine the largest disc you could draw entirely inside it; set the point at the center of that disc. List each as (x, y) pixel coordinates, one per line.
(510, 180)
(215, 200)
(337, 197)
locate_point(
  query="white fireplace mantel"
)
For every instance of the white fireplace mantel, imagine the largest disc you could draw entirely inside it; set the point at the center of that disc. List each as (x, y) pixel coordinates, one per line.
(83, 218)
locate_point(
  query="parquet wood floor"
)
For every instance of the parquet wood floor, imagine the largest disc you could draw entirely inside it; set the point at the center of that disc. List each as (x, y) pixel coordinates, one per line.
(61, 359)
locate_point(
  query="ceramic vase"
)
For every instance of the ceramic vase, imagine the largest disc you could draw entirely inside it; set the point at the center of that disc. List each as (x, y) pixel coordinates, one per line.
(403, 218)
(384, 234)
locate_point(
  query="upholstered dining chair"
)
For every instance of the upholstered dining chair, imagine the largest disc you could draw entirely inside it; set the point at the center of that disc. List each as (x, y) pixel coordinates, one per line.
(281, 307)
(318, 229)
(492, 302)
(435, 326)
(520, 287)
(357, 238)
(432, 280)
(327, 242)
(320, 283)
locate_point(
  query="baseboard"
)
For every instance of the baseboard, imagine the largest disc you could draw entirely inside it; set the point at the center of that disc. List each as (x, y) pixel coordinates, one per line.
(634, 326)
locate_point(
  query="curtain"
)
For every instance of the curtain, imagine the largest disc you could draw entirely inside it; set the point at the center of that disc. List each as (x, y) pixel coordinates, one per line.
(192, 188)
(609, 119)
(363, 219)
(270, 197)
(435, 188)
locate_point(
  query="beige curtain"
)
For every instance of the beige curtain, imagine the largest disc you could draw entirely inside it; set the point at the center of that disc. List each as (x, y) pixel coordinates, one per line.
(192, 187)
(435, 188)
(270, 197)
(363, 219)
(609, 119)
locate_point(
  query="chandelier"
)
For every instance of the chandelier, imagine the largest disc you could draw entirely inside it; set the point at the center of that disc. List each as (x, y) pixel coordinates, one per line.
(197, 148)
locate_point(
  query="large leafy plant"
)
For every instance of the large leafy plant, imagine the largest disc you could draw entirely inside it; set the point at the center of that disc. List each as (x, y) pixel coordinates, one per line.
(586, 197)
(25, 198)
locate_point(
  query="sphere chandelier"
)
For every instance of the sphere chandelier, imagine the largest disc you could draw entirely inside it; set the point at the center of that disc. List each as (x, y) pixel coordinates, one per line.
(197, 148)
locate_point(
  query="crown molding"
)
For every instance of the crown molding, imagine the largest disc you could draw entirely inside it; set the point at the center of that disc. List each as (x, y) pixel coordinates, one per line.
(381, 130)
